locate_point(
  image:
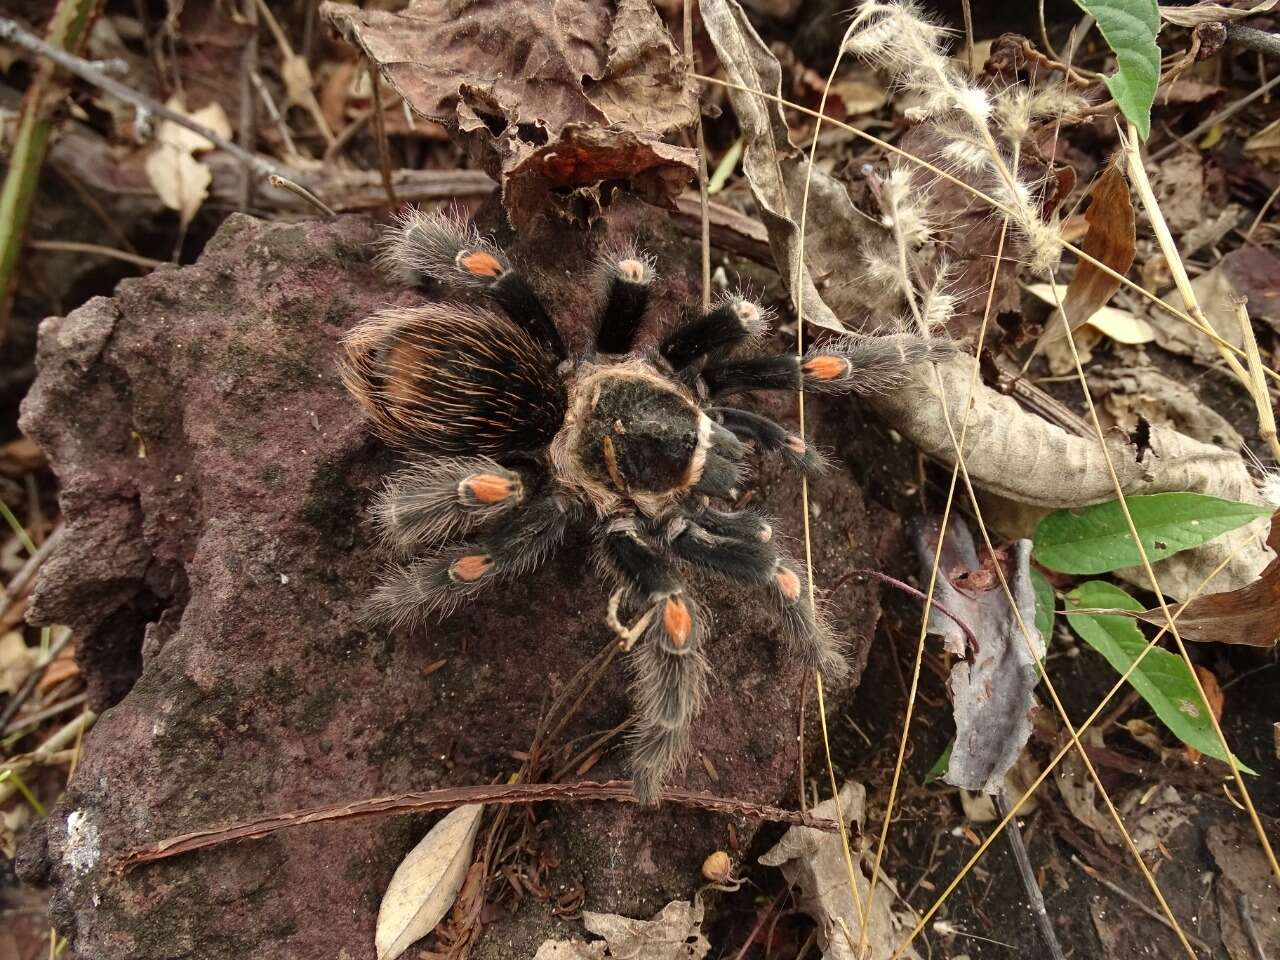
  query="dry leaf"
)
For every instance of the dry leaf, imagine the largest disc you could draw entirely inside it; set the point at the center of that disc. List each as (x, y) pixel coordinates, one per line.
(775, 170)
(814, 861)
(1147, 394)
(1195, 14)
(63, 668)
(427, 881)
(675, 933)
(1249, 615)
(1110, 240)
(1264, 145)
(560, 95)
(178, 178)
(1080, 793)
(1214, 696)
(1120, 325)
(16, 661)
(1244, 873)
(993, 693)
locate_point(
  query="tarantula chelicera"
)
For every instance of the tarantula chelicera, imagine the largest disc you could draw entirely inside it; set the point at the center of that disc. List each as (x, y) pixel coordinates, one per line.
(510, 440)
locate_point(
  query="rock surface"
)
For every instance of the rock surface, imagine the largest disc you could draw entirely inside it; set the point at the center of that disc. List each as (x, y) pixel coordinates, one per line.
(214, 479)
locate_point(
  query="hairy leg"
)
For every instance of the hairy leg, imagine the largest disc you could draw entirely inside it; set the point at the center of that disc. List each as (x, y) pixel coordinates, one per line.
(771, 437)
(439, 583)
(630, 276)
(730, 323)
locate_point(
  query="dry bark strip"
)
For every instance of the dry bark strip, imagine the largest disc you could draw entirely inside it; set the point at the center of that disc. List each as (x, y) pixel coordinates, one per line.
(617, 791)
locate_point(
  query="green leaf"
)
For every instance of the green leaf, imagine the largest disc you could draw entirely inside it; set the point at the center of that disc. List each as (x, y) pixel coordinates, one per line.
(1130, 28)
(941, 765)
(1044, 605)
(1096, 539)
(1163, 679)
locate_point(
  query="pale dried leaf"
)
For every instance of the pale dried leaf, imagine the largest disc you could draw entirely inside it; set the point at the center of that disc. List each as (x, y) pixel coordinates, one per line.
(1265, 144)
(1156, 819)
(211, 117)
(775, 170)
(1195, 14)
(427, 882)
(179, 180)
(814, 861)
(1120, 325)
(1081, 793)
(993, 693)
(1243, 872)
(16, 661)
(675, 933)
(1017, 455)
(298, 82)
(1146, 393)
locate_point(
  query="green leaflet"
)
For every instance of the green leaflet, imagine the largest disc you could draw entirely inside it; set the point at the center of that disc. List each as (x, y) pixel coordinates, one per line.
(1162, 678)
(1130, 28)
(1096, 539)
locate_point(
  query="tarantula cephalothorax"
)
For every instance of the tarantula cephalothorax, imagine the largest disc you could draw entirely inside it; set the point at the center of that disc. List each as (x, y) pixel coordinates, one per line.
(509, 437)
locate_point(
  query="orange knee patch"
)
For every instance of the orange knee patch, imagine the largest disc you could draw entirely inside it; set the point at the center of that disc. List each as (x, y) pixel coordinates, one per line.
(796, 445)
(479, 264)
(788, 583)
(471, 568)
(677, 621)
(490, 488)
(825, 367)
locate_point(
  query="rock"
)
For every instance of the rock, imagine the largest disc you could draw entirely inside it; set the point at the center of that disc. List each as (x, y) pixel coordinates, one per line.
(214, 480)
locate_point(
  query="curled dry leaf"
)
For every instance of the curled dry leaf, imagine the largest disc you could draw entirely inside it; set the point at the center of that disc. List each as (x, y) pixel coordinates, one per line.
(1144, 393)
(1111, 239)
(814, 861)
(178, 178)
(775, 171)
(427, 882)
(675, 933)
(1244, 875)
(993, 692)
(554, 95)
(1195, 14)
(1249, 615)
(1009, 451)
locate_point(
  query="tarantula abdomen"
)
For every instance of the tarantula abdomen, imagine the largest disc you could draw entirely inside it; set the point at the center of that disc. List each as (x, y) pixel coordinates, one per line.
(511, 441)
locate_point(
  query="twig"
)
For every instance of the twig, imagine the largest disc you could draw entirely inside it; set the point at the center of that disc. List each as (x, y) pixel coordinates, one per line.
(270, 103)
(1023, 861)
(1250, 931)
(22, 579)
(912, 591)
(617, 791)
(380, 127)
(1129, 898)
(300, 191)
(1223, 114)
(45, 714)
(68, 28)
(11, 32)
(1261, 396)
(248, 115)
(1262, 212)
(968, 37)
(702, 163)
(68, 735)
(71, 246)
(33, 678)
(764, 916)
(1253, 39)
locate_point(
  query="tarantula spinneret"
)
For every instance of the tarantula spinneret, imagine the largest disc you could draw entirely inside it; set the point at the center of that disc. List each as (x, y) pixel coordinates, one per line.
(510, 440)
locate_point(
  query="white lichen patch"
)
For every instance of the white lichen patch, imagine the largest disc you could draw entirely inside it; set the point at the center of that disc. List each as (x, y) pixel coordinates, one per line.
(84, 845)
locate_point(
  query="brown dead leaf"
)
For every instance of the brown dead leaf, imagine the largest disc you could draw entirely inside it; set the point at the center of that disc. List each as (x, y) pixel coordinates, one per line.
(1248, 616)
(675, 933)
(1215, 698)
(1264, 146)
(1144, 392)
(63, 668)
(178, 178)
(512, 79)
(1179, 186)
(16, 661)
(20, 456)
(1244, 875)
(1110, 240)
(814, 861)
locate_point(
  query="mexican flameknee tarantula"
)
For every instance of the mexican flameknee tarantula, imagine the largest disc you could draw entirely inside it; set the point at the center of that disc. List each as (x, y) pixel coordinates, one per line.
(510, 440)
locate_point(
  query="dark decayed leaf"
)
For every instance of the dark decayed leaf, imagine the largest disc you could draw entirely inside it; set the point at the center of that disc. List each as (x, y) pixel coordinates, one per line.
(1111, 240)
(1249, 616)
(993, 692)
(521, 82)
(776, 170)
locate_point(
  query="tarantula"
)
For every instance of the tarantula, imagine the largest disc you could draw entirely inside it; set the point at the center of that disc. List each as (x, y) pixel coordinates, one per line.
(511, 438)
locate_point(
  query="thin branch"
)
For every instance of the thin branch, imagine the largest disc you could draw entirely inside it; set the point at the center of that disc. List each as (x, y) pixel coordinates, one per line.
(11, 32)
(1023, 861)
(72, 246)
(1129, 898)
(702, 163)
(298, 190)
(1229, 111)
(906, 588)
(1252, 39)
(616, 791)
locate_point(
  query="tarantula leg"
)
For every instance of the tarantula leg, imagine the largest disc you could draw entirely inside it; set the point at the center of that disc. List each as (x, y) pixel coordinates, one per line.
(804, 623)
(771, 438)
(727, 325)
(668, 687)
(747, 559)
(736, 525)
(449, 250)
(630, 278)
(441, 582)
(642, 573)
(437, 499)
(859, 364)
